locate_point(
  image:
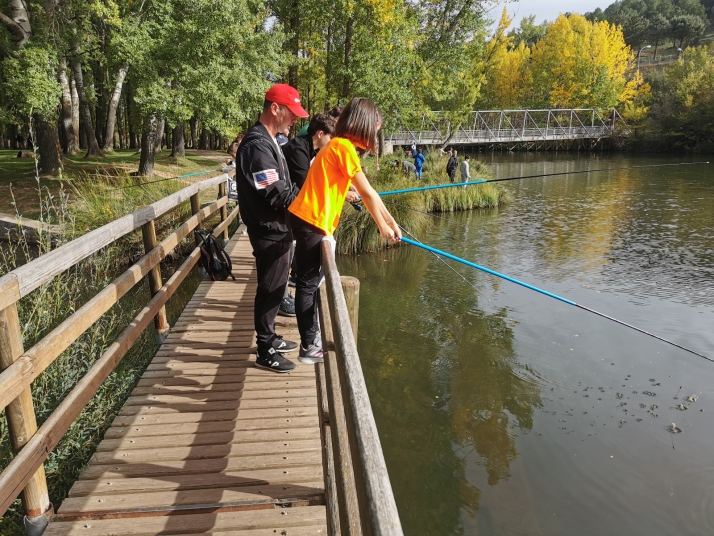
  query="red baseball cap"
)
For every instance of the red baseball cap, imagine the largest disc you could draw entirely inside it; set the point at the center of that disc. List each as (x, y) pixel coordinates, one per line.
(287, 96)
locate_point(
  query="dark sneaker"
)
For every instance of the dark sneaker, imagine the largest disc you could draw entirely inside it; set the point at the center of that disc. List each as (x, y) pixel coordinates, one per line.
(283, 346)
(287, 306)
(311, 355)
(274, 361)
(292, 280)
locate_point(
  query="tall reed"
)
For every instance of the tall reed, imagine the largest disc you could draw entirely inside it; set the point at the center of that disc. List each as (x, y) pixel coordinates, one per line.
(357, 231)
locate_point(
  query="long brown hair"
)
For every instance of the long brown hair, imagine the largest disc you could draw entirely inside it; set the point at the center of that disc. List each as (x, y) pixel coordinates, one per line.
(358, 123)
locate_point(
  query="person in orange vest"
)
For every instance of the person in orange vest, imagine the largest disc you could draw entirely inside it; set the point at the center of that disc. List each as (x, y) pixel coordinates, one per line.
(315, 213)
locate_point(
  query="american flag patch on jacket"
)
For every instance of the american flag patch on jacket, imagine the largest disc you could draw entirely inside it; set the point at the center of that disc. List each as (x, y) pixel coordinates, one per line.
(264, 178)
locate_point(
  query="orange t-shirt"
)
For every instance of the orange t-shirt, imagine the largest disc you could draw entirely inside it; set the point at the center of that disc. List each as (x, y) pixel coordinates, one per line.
(321, 198)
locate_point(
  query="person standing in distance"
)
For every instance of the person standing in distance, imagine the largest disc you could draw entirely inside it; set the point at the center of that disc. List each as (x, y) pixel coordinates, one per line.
(419, 163)
(264, 193)
(452, 165)
(465, 171)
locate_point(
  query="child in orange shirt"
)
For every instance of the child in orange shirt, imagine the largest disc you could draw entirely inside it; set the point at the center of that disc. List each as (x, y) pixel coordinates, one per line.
(315, 213)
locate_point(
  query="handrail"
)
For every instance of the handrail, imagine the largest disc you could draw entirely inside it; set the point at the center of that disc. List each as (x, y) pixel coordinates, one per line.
(377, 507)
(22, 367)
(23, 280)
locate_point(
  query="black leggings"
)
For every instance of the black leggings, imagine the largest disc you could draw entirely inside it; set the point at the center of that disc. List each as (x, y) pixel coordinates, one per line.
(308, 240)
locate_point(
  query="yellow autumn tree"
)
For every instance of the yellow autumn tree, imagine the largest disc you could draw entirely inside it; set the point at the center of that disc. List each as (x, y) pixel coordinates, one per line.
(508, 75)
(582, 64)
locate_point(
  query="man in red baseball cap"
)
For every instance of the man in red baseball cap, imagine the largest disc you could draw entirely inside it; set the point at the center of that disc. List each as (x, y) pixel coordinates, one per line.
(264, 193)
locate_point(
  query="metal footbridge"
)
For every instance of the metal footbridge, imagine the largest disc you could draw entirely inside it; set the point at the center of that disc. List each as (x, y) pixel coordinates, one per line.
(511, 127)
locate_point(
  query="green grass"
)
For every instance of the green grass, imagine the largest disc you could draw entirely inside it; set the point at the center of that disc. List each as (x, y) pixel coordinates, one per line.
(357, 231)
(115, 166)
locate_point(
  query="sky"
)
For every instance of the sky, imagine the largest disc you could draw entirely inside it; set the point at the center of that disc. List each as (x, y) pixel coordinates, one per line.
(548, 9)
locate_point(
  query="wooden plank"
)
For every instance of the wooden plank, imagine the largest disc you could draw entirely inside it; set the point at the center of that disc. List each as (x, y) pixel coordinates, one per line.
(269, 522)
(221, 405)
(153, 388)
(168, 501)
(206, 451)
(210, 396)
(159, 430)
(223, 479)
(205, 415)
(202, 439)
(224, 376)
(169, 469)
(237, 376)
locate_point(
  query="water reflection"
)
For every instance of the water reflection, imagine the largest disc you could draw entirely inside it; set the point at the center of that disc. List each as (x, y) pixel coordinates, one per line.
(439, 361)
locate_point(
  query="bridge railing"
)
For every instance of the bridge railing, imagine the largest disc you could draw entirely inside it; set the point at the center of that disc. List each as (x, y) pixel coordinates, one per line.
(25, 473)
(358, 492)
(497, 126)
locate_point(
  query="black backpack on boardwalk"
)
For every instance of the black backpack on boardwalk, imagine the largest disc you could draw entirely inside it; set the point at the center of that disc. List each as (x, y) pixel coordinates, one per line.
(213, 257)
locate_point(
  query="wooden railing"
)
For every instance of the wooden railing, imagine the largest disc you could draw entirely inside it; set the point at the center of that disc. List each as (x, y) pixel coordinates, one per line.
(20, 367)
(358, 492)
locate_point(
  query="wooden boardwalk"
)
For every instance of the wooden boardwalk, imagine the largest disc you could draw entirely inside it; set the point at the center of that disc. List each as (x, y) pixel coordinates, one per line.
(206, 443)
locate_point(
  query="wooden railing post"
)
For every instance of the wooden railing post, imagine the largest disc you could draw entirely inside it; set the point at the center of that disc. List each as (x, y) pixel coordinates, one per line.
(161, 323)
(350, 286)
(23, 424)
(224, 209)
(195, 207)
(344, 479)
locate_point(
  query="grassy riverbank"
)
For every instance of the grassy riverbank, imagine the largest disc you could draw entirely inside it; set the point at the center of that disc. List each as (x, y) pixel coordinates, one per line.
(357, 231)
(20, 173)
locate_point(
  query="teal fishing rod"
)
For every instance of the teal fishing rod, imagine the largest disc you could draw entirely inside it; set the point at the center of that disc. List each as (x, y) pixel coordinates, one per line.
(481, 181)
(550, 294)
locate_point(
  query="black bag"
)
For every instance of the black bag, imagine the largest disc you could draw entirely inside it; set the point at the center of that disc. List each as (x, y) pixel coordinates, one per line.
(213, 257)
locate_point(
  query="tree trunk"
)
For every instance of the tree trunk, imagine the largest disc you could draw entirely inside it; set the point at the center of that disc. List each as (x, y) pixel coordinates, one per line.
(113, 105)
(148, 145)
(99, 91)
(346, 85)
(18, 24)
(75, 109)
(159, 140)
(93, 149)
(70, 134)
(294, 43)
(49, 146)
(178, 145)
(203, 144)
(120, 125)
(194, 132)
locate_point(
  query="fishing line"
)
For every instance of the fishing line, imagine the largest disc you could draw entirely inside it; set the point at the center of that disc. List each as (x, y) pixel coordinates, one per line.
(448, 266)
(481, 181)
(428, 214)
(559, 298)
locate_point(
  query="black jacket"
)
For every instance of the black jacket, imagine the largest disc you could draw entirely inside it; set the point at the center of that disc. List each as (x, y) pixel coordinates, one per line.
(264, 187)
(452, 165)
(299, 152)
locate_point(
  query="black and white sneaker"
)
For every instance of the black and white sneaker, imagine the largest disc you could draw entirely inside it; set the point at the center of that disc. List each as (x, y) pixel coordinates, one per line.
(283, 346)
(274, 361)
(287, 306)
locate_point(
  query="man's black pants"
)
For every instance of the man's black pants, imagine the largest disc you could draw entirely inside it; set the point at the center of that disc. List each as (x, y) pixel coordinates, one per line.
(452, 175)
(272, 260)
(308, 240)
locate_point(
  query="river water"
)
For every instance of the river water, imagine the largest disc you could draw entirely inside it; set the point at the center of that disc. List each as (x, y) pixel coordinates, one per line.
(503, 411)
